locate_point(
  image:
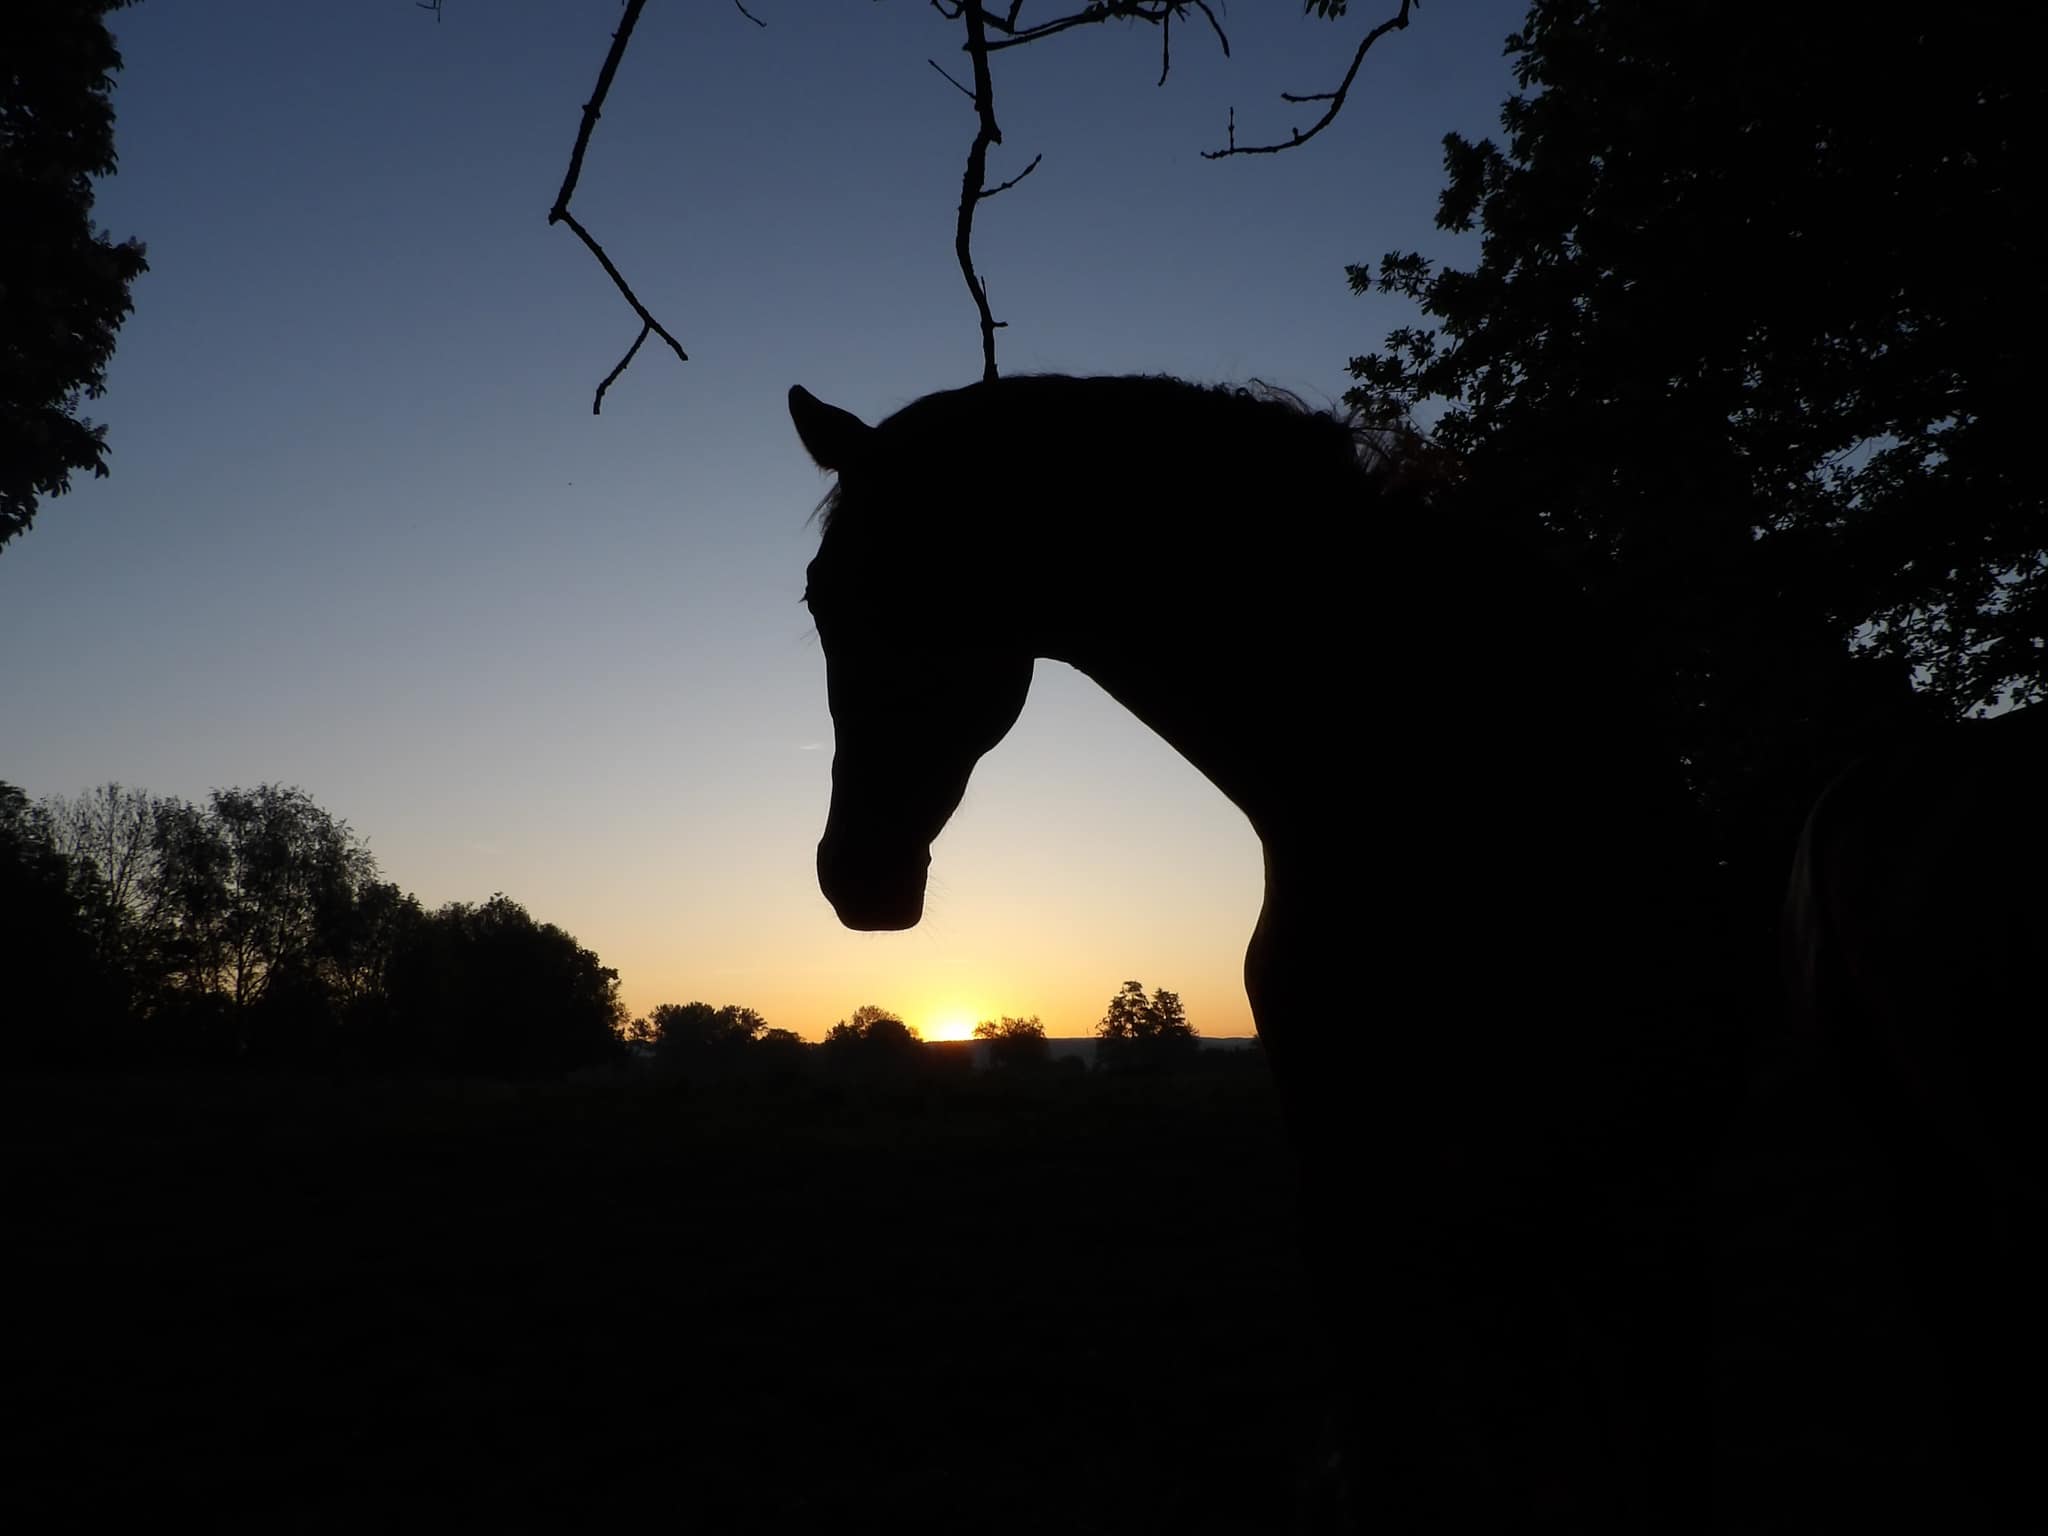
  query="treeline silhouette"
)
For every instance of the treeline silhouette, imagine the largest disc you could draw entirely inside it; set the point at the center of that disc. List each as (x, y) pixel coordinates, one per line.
(255, 929)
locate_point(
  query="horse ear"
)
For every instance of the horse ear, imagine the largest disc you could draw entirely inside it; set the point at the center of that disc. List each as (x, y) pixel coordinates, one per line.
(836, 439)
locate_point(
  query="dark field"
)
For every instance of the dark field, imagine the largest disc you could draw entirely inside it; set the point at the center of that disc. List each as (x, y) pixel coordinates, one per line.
(1057, 1310)
(1065, 1305)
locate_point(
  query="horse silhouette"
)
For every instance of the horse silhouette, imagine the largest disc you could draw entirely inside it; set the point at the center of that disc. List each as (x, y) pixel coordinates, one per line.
(1916, 935)
(1470, 972)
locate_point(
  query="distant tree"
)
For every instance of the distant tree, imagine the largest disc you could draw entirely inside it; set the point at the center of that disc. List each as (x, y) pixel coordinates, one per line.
(261, 895)
(873, 1040)
(1754, 329)
(1137, 1034)
(871, 1022)
(362, 930)
(52, 984)
(781, 1052)
(699, 1037)
(640, 1033)
(487, 991)
(64, 285)
(108, 835)
(254, 926)
(1015, 1043)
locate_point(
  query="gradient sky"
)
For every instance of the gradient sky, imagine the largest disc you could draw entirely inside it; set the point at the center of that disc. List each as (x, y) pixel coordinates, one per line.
(364, 536)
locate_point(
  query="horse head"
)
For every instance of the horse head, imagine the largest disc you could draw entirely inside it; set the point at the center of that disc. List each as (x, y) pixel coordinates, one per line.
(918, 688)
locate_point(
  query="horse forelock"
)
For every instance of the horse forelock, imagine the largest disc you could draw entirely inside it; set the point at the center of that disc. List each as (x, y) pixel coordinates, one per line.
(828, 504)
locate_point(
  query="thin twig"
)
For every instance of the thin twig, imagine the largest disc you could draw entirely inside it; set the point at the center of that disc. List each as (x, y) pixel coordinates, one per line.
(757, 21)
(954, 83)
(1334, 98)
(597, 405)
(1155, 11)
(992, 191)
(559, 214)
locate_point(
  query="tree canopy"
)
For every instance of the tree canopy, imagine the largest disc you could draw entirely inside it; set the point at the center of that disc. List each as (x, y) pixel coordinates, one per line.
(1137, 1032)
(872, 1040)
(1754, 308)
(1750, 334)
(497, 994)
(1015, 1043)
(698, 1038)
(64, 284)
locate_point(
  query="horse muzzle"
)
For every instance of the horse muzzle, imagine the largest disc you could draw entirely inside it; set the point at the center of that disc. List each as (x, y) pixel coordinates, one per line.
(873, 891)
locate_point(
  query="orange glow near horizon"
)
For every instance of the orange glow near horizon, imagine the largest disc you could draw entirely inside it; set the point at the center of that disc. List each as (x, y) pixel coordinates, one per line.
(951, 1017)
(1087, 853)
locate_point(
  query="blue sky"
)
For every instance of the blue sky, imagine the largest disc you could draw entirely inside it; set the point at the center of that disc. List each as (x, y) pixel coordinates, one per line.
(363, 534)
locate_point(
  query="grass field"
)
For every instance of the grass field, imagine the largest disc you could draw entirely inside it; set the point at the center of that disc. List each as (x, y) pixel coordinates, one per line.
(318, 1306)
(1062, 1306)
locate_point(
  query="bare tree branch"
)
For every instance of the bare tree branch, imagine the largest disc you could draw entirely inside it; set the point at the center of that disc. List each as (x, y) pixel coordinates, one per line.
(1335, 98)
(985, 133)
(757, 21)
(559, 214)
(594, 108)
(973, 188)
(647, 320)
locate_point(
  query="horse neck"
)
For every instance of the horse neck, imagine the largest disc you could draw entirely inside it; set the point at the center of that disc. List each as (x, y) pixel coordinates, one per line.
(1239, 683)
(1200, 586)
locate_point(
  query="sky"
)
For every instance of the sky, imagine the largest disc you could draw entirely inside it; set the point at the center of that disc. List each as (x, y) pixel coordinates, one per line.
(364, 536)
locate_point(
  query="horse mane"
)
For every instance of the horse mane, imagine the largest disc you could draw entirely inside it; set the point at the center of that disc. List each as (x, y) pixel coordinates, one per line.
(1260, 421)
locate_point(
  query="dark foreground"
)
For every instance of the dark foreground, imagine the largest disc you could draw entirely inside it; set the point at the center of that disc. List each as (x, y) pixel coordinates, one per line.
(1065, 1309)
(1068, 1306)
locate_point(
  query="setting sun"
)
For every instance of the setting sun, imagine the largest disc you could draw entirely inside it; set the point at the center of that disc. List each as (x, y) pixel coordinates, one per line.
(950, 1025)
